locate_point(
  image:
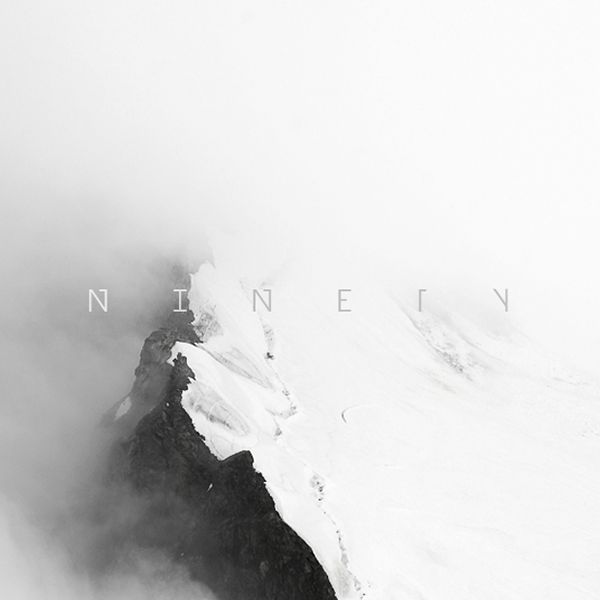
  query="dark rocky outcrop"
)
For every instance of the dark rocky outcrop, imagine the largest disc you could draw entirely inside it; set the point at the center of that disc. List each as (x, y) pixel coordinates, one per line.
(215, 517)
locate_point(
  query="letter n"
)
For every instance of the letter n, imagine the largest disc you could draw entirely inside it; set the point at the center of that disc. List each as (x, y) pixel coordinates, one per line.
(103, 303)
(256, 294)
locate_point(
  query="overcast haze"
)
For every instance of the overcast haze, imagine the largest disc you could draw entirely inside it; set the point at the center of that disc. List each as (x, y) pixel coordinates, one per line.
(459, 140)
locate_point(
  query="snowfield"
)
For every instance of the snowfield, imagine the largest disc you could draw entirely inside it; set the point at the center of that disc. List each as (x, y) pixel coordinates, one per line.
(423, 456)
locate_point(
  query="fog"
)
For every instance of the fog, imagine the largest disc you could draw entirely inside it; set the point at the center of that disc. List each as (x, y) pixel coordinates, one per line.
(455, 145)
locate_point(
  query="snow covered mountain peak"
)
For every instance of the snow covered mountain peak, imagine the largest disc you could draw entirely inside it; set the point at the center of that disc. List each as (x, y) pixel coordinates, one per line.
(413, 451)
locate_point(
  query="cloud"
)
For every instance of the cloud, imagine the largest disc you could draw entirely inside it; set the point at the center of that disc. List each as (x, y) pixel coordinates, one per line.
(449, 144)
(35, 568)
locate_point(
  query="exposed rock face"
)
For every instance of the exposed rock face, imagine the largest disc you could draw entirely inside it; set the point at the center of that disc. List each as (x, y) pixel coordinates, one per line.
(216, 517)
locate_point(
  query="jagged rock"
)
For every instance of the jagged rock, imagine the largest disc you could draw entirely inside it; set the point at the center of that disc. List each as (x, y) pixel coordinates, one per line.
(216, 517)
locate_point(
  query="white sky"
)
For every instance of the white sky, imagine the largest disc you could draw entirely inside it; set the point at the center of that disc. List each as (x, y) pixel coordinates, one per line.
(460, 137)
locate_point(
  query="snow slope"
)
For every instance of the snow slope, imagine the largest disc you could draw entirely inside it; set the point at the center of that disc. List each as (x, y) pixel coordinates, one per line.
(427, 455)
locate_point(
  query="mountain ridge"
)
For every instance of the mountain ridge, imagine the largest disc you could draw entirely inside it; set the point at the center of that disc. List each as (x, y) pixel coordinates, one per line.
(214, 516)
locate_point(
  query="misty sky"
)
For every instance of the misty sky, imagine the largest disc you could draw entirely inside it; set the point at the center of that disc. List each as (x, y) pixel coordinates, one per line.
(454, 138)
(462, 135)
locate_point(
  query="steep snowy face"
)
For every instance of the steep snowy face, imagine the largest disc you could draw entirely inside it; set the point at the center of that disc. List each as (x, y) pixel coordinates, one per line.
(421, 455)
(164, 490)
(239, 402)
